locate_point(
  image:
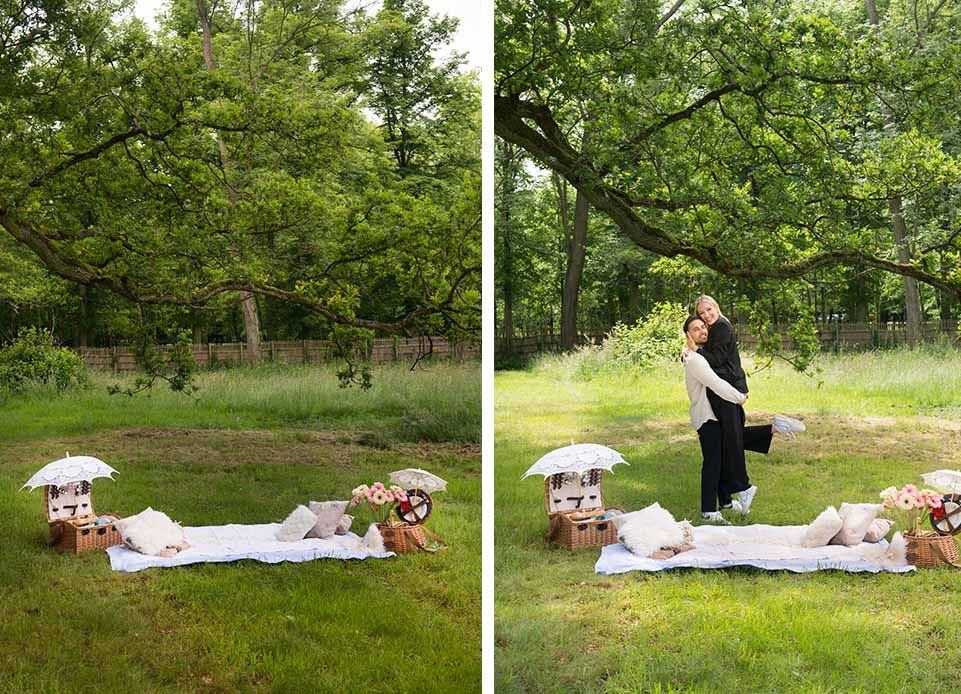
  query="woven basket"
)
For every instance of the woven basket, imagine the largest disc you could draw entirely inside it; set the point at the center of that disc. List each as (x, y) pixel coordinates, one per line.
(404, 538)
(68, 536)
(929, 550)
(574, 529)
(64, 524)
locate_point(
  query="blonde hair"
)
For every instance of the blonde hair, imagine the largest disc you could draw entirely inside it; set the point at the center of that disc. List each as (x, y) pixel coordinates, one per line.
(704, 298)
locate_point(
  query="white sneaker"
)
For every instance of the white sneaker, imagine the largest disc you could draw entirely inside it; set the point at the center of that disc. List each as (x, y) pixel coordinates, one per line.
(714, 517)
(744, 499)
(788, 425)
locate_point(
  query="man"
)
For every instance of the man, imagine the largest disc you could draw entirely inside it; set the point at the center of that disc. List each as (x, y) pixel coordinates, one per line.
(719, 481)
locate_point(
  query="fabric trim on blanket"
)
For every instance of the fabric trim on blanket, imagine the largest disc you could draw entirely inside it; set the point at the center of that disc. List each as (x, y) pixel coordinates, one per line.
(225, 543)
(761, 546)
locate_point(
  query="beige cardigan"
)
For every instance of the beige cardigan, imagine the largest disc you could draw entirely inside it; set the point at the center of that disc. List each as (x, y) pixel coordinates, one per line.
(698, 377)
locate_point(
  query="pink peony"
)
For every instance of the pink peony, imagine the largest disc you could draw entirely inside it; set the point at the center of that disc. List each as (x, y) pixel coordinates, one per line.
(934, 502)
(910, 488)
(390, 497)
(919, 502)
(378, 485)
(401, 496)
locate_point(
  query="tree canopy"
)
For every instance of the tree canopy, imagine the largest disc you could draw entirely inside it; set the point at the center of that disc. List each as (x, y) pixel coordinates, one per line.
(115, 178)
(761, 139)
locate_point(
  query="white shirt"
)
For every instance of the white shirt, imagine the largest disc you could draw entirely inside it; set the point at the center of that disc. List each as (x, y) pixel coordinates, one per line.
(698, 377)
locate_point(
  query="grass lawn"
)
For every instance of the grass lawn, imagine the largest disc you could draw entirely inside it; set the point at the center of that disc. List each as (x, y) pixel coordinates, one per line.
(874, 420)
(258, 443)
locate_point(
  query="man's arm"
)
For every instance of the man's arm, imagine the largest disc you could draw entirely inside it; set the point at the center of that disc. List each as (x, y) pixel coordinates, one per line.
(703, 373)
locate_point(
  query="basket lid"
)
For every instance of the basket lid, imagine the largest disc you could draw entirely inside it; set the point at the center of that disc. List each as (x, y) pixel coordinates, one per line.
(570, 491)
(68, 501)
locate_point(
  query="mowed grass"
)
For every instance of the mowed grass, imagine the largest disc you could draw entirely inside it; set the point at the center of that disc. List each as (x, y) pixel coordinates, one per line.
(242, 455)
(875, 420)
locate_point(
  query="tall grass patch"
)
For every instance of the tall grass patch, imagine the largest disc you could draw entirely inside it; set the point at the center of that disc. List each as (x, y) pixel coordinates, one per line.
(437, 402)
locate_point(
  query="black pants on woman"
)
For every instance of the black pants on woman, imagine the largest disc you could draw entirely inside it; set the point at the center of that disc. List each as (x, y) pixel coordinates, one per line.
(723, 470)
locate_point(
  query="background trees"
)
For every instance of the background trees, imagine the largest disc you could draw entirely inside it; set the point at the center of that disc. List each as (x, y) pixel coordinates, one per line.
(769, 151)
(236, 153)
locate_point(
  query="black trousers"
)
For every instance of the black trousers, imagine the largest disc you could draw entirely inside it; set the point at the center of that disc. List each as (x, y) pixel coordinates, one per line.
(723, 470)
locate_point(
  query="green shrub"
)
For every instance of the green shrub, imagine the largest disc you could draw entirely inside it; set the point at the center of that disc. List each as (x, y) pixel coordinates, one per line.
(655, 337)
(33, 359)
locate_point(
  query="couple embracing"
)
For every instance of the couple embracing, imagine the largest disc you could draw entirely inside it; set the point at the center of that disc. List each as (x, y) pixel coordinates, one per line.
(717, 388)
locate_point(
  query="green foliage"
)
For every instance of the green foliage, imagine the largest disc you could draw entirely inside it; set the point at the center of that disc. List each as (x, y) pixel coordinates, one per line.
(34, 359)
(741, 141)
(653, 338)
(139, 170)
(176, 365)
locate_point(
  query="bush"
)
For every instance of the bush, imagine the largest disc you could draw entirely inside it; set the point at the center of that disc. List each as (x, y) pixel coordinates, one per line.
(33, 359)
(654, 338)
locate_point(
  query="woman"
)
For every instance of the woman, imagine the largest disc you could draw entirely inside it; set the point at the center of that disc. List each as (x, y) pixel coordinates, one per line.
(721, 348)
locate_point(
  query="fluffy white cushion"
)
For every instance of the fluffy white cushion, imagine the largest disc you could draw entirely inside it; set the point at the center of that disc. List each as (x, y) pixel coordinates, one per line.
(623, 519)
(823, 528)
(857, 518)
(878, 529)
(329, 514)
(648, 530)
(296, 525)
(150, 532)
(343, 525)
(373, 540)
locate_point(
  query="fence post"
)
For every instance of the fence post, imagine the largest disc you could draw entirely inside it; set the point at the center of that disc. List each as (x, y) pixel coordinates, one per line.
(306, 355)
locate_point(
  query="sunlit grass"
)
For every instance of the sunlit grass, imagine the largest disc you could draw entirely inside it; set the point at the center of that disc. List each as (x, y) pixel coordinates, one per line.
(258, 443)
(874, 420)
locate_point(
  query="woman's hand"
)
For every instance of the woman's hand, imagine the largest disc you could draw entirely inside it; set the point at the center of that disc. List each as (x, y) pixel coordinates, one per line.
(685, 353)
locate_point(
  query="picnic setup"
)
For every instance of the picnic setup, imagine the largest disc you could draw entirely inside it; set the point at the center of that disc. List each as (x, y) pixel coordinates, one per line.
(318, 530)
(922, 524)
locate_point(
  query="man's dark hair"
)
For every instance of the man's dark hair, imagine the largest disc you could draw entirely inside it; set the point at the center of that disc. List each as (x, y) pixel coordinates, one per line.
(690, 320)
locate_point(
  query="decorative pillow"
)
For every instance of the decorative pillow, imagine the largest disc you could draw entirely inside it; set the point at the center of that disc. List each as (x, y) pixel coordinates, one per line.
(823, 528)
(857, 518)
(343, 526)
(623, 519)
(150, 532)
(648, 530)
(878, 529)
(329, 514)
(297, 524)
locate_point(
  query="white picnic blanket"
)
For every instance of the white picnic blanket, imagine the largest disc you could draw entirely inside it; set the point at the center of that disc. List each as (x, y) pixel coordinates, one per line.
(760, 546)
(221, 543)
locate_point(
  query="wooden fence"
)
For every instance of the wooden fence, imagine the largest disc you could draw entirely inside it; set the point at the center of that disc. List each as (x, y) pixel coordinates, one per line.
(833, 337)
(121, 359)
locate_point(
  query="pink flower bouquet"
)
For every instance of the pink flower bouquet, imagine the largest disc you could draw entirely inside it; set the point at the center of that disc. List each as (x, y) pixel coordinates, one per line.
(909, 506)
(379, 499)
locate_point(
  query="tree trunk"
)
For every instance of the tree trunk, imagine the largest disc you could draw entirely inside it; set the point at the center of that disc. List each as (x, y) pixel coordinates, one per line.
(248, 302)
(505, 223)
(912, 297)
(576, 251)
(82, 337)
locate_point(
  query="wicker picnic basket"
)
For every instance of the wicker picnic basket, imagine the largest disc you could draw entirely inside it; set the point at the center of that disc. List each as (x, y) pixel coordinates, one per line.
(404, 538)
(571, 508)
(70, 519)
(929, 550)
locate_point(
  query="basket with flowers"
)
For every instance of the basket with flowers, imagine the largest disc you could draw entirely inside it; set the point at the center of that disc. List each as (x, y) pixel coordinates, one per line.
(382, 501)
(909, 507)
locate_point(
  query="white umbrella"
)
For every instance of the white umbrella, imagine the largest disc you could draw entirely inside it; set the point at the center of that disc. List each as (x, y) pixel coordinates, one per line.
(415, 478)
(73, 468)
(948, 481)
(578, 457)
